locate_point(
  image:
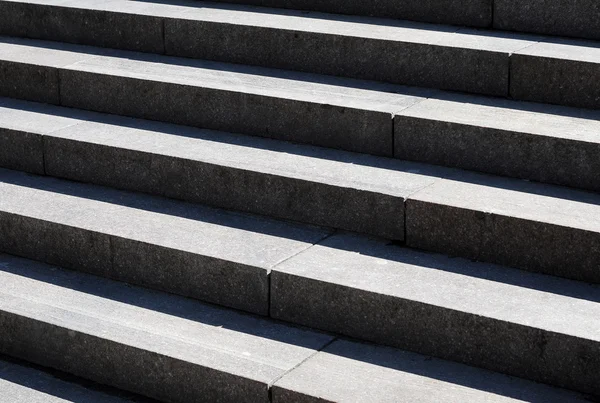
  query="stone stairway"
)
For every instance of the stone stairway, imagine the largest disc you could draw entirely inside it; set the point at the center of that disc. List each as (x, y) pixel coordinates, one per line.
(228, 203)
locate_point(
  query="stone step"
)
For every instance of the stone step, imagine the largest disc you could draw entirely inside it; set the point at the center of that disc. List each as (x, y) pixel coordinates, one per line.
(191, 250)
(537, 227)
(348, 371)
(21, 382)
(524, 324)
(159, 345)
(179, 350)
(407, 53)
(326, 111)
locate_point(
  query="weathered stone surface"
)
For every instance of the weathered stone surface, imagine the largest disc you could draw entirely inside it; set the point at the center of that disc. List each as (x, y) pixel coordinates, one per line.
(240, 99)
(195, 251)
(302, 183)
(352, 372)
(544, 143)
(90, 22)
(571, 72)
(396, 52)
(471, 13)
(21, 130)
(27, 384)
(159, 345)
(579, 18)
(515, 223)
(445, 307)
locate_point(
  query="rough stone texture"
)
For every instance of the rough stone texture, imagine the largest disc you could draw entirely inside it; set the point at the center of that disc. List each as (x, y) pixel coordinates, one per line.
(240, 99)
(515, 223)
(544, 143)
(84, 22)
(579, 18)
(26, 384)
(32, 73)
(571, 73)
(191, 250)
(158, 345)
(396, 52)
(449, 308)
(303, 183)
(477, 13)
(21, 130)
(352, 372)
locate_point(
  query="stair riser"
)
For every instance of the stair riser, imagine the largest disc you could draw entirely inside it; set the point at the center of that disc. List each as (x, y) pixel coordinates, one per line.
(535, 246)
(545, 159)
(125, 367)
(423, 65)
(432, 330)
(579, 19)
(152, 266)
(227, 187)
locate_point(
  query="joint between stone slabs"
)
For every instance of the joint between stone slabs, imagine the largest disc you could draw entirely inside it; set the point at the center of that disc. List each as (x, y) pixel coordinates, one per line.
(330, 234)
(317, 351)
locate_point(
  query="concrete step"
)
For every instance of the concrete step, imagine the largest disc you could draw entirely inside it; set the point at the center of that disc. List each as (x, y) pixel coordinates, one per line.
(537, 227)
(204, 253)
(433, 56)
(524, 324)
(179, 350)
(321, 110)
(159, 345)
(408, 53)
(24, 383)
(352, 372)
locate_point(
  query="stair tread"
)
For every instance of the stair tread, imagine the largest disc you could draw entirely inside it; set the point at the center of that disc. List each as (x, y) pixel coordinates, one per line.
(248, 346)
(347, 371)
(314, 22)
(490, 194)
(252, 241)
(510, 295)
(243, 345)
(23, 384)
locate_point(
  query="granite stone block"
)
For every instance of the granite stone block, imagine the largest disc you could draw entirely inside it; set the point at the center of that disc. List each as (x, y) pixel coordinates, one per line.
(29, 82)
(571, 72)
(487, 316)
(159, 345)
(21, 151)
(477, 13)
(579, 19)
(284, 119)
(529, 141)
(82, 22)
(383, 59)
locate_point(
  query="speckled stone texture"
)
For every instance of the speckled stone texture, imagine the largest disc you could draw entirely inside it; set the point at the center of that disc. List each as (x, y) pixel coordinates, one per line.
(579, 18)
(445, 307)
(158, 345)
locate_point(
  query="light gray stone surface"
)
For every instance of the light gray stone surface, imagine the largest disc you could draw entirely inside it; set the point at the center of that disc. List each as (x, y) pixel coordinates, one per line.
(471, 12)
(256, 101)
(159, 345)
(25, 384)
(195, 251)
(320, 186)
(539, 142)
(360, 47)
(21, 144)
(571, 72)
(32, 73)
(531, 226)
(579, 18)
(524, 324)
(352, 372)
(398, 52)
